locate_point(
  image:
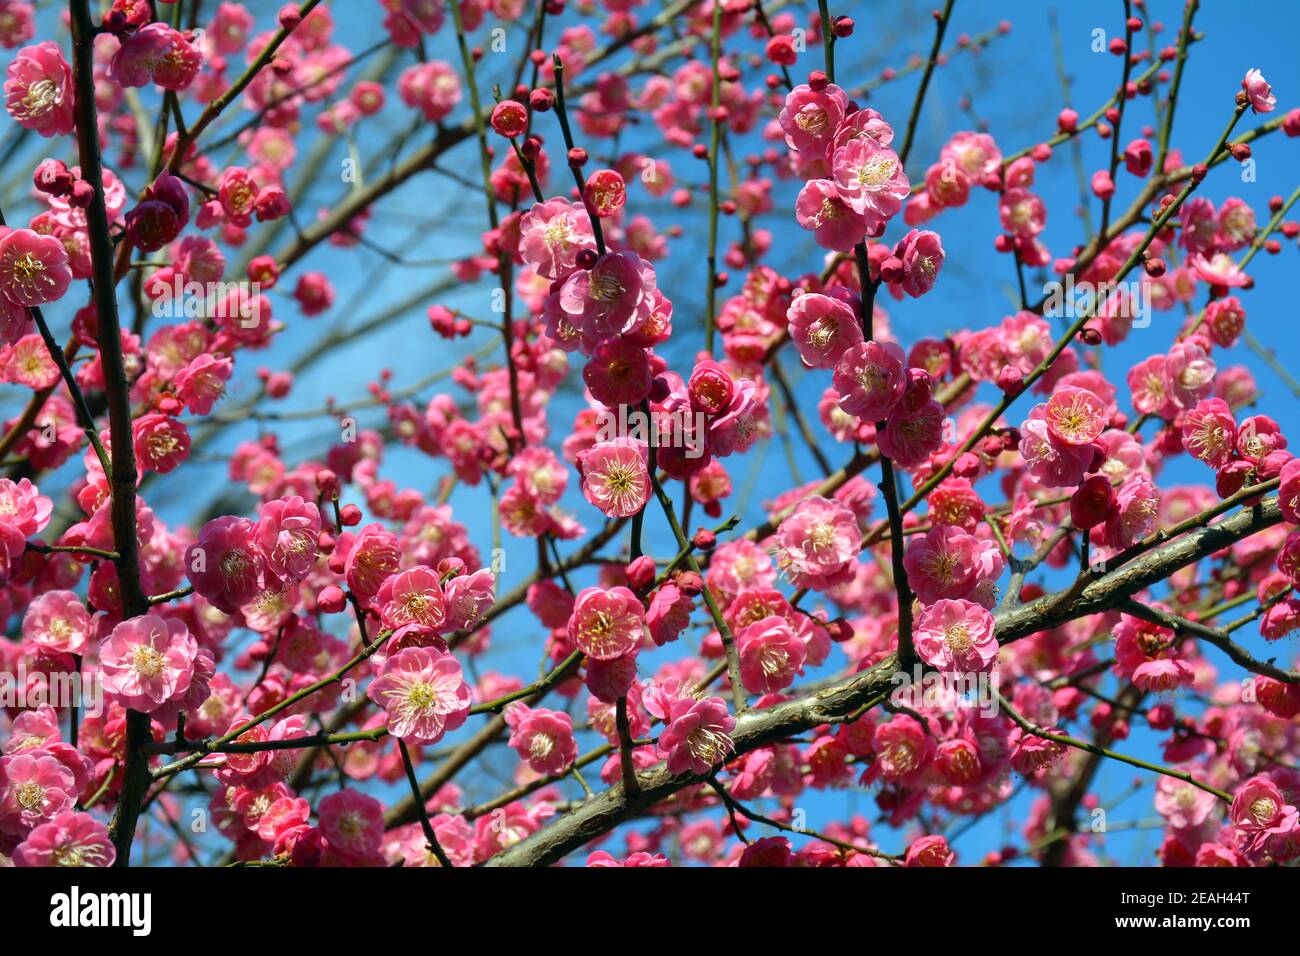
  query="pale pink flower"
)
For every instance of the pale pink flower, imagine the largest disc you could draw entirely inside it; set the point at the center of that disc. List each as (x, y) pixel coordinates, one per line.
(606, 622)
(1182, 804)
(38, 92)
(543, 738)
(956, 636)
(423, 692)
(817, 543)
(616, 476)
(57, 622)
(433, 88)
(823, 328)
(1217, 269)
(742, 565)
(1259, 92)
(1137, 502)
(771, 655)
(870, 178)
(871, 380)
(69, 838)
(975, 154)
(161, 442)
(669, 613)
(148, 662)
(551, 235)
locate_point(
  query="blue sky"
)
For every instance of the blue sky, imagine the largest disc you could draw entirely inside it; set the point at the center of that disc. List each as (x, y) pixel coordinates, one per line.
(1013, 86)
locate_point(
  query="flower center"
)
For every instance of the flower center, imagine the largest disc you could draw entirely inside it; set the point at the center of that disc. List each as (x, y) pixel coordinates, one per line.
(146, 661)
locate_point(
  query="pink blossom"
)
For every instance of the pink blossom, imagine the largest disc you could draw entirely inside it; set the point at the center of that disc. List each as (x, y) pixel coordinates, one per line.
(543, 738)
(871, 380)
(414, 596)
(697, 732)
(956, 636)
(423, 693)
(57, 622)
(870, 178)
(1075, 416)
(286, 536)
(615, 477)
(1259, 811)
(822, 329)
(33, 268)
(551, 235)
(34, 787)
(68, 838)
(38, 92)
(810, 118)
(771, 655)
(833, 222)
(353, 825)
(148, 662)
(817, 543)
(224, 564)
(1259, 92)
(1210, 432)
(606, 622)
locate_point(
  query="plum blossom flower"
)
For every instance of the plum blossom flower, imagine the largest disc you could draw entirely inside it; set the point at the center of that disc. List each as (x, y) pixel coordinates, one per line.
(286, 536)
(823, 329)
(68, 838)
(551, 235)
(956, 636)
(697, 732)
(57, 622)
(38, 91)
(1185, 806)
(414, 596)
(148, 662)
(423, 693)
(1259, 92)
(616, 476)
(224, 564)
(543, 738)
(811, 117)
(606, 622)
(1075, 416)
(921, 253)
(871, 380)
(33, 268)
(352, 824)
(375, 555)
(1259, 811)
(817, 543)
(33, 788)
(833, 222)
(771, 655)
(870, 178)
(1210, 432)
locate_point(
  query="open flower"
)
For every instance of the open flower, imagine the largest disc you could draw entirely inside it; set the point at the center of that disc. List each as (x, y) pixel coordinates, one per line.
(33, 268)
(956, 636)
(543, 738)
(818, 542)
(771, 655)
(616, 477)
(1258, 92)
(148, 662)
(606, 622)
(1259, 811)
(68, 838)
(423, 692)
(38, 92)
